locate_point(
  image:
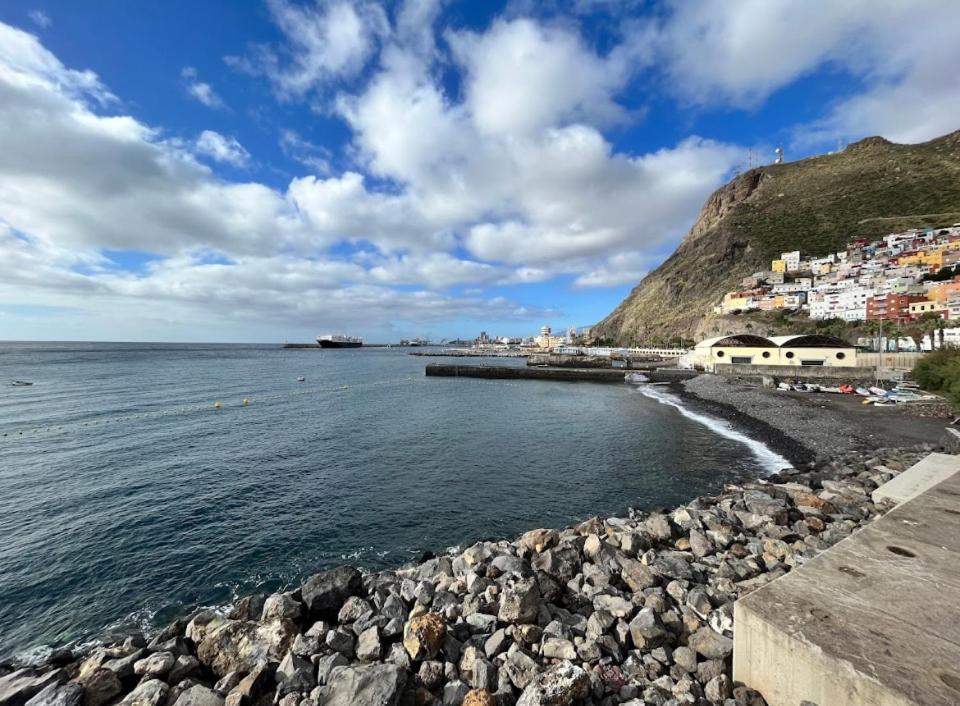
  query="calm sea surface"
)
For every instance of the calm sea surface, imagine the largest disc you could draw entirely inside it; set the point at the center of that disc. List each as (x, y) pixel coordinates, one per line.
(126, 498)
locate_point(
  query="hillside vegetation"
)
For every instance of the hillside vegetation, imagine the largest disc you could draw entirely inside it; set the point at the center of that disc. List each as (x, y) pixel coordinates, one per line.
(815, 205)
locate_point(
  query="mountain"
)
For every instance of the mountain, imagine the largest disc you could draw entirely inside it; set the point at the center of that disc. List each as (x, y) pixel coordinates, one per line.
(816, 205)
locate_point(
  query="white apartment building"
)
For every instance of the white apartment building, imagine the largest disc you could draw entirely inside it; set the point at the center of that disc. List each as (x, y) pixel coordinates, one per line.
(791, 260)
(848, 304)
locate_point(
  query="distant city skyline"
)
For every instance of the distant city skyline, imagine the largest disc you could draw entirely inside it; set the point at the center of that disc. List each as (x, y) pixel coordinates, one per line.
(270, 171)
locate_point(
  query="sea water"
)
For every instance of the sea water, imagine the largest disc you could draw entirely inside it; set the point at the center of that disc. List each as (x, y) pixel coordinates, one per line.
(127, 498)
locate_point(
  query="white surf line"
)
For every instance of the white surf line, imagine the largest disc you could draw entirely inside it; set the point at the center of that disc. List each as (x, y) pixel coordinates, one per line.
(768, 458)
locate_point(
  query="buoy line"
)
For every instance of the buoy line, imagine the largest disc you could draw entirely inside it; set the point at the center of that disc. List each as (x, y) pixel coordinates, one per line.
(218, 406)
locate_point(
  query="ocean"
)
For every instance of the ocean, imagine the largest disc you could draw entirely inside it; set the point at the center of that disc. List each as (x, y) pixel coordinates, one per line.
(127, 498)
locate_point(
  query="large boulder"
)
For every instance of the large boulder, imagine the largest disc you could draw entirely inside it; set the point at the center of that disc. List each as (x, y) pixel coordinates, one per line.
(325, 593)
(562, 685)
(423, 635)
(241, 646)
(101, 687)
(19, 686)
(710, 644)
(150, 692)
(520, 602)
(55, 694)
(199, 695)
(373, 685)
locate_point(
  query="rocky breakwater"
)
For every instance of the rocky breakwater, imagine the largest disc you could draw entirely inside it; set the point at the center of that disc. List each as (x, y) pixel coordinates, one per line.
(634, 610)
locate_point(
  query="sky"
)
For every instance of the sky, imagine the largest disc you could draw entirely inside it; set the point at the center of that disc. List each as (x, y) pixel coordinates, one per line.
(269, 171)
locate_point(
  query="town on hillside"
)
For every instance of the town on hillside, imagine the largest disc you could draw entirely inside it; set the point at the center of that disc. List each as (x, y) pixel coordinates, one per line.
(902, 278)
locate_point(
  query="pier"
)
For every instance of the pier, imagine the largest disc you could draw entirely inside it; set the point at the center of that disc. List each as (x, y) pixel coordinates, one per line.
(509, 372)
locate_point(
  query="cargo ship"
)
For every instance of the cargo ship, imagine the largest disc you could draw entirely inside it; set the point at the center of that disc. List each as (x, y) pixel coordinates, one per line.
(337, 341)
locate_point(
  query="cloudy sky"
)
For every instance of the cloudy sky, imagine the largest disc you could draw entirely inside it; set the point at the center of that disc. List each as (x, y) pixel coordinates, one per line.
(265, 171)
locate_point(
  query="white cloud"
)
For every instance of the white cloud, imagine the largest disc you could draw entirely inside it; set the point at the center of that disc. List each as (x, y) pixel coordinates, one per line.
(40, 18)
(618, 270)
(204, 93)
(523, 77)
(326, 40)
(904, 54)
(316, 157)
(222, 149)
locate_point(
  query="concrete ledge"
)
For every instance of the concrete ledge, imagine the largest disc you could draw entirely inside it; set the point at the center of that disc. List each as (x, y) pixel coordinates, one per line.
(826, 374)
(917, 479)
(870, 621)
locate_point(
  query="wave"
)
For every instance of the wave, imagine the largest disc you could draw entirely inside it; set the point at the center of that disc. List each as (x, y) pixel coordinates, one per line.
(768, 458)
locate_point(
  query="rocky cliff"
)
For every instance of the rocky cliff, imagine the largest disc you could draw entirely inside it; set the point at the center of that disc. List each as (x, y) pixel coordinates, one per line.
(816, 205)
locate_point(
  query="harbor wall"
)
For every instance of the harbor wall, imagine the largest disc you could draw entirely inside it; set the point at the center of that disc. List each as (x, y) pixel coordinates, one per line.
(815, 373)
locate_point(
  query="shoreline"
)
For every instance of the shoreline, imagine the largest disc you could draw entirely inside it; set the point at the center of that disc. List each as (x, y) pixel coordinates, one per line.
(625, 551)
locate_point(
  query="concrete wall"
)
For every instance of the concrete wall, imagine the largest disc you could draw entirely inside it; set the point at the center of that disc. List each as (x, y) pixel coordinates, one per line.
(813, 373)
(893, 361)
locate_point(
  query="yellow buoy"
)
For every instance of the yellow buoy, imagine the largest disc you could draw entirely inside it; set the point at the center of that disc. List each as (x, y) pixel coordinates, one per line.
(216, 405)
(245, 401)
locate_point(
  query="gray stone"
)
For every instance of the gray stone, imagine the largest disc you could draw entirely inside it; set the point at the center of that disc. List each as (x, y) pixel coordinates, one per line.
(372, 685)
(431, 674)
(156, 665)
(54, 694)
(368, 645)
(325, 666)
(150, 692)
(353, 608)
(341, 640)
(708, 643)
(184, 666)
(685, 658)
(520, 602)
(281, 606)
(556, 648)
(228, 682)
(520, 668)
(101, 687)
(325, 593)
(454, 693)
(718, 688)
(295, 674)
(616, 606)
(199, 695)
(645, 628)
(19, 686)
(561, 685)
(498, 642)
(637, 576)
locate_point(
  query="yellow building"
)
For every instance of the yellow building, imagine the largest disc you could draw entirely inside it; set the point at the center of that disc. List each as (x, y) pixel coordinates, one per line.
(943, 292)
(925, 307)
(778, 266)
(748, 349)
(814, 349)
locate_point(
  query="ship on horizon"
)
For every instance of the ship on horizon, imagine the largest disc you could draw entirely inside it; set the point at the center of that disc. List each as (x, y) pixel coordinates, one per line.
(339, 341)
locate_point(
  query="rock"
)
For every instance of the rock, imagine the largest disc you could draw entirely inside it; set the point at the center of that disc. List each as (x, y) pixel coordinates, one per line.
(341, 640)
(156, 665)
(353, 609)
(373, 685)
(708, 643)
(673, 565)
(539, 540)
(520, 602)
(281, 606)
(659, 526)
(431, 674)
(497, 642)
(520, 668)
(199, 696)
(325, 666)
(325, 593)
(295, 674)
(237, 645)
(101, 687)
(23, 684)
(700, 545)
(561, 685)
(454, 693)
(248, 607)
(150, 692)
(203, 621)
(423, 636)
(123, 667)
(645, 628)
(226, 684)
(613, 605)
(556, 648)
(479, 697)
(686, 659)
(54, 694)
(368, 645)
(637, 576)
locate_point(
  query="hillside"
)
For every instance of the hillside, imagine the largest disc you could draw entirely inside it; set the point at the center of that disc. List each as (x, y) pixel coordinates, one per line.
(815, 205)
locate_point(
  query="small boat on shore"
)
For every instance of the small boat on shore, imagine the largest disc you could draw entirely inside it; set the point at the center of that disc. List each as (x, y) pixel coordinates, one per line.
(21, 383)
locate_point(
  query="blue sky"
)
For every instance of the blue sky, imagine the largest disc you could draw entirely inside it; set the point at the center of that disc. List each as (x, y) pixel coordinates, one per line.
(265, 171)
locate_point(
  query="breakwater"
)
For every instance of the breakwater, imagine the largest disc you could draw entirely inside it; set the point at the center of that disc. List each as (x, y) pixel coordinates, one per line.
(502, 372)
(602, 611)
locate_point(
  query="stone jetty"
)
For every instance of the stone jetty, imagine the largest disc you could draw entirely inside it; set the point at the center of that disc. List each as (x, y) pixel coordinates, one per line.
(624, 610)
